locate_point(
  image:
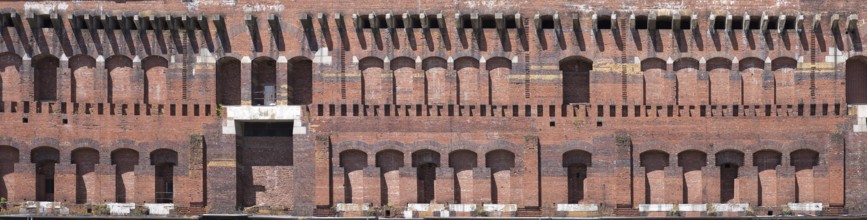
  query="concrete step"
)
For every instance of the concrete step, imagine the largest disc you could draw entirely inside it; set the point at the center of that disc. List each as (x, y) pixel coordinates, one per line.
(528, 212)
(626, 212)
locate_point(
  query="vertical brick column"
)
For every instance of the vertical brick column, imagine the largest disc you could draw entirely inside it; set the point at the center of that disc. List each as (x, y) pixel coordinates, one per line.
(711, 180)
(786, 182)
(736, 88)
(23, 182)
(105, 176)
(145, 181)
(452, 80)
(65, 184)
(26, 79)
(246, 93)
(372, 185)
(418, 84)
(834, 159)
(137, 80)
(282, 80)
(222, 172)
(621, 171)
(747, 182)
(530, 177)
(339, 189)
(388, 84)
(481, 186)
(100, 82)
(484, 83)
(408, 185)
(673, 181)
(322, 170)
(63, 80)
(556, 183)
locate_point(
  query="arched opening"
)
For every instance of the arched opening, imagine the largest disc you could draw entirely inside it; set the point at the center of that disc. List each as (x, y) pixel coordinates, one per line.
(856, 80)
(657, 89)
(753, 93)
(156, 84)
(426, 163)
(45, 77)
(121, 88)
(467, 80)
(767, 162)
(437, 89)
(690, 90)
(372, 92)
(405, 93)
(463, 162)
(9, 156)
(83, 68)
(576, 163)
(164, 162)
(9, 77)
(389, 163)
(353, 163)
(501, 163)
(300, 81)
(263, 88)
(804, 160)
(719, 70)
(124, 161)
(228, 81)
(784, 78)
(692, 161)
(85, 160)
(576, 79)
(499, 69)
(45, 158)
(654, 163)
(729, 161)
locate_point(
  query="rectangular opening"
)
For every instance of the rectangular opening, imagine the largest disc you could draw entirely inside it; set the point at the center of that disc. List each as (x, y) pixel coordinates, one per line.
(701, 111)
(136, 110)
(511, 22)
(343, 110)
(603, 22)
(755, 22)
(196, 110)
(790, 23)
(466, 22)
(267, 129)
(664, 23)
(737, 22)
(515, 111)
(320, 109)
(612, 111)
(355, 110)
(451, 110)
(551, 110)
(600, 111)
(685, 23)
(99, 108)
(24, 120)
(44, 21)
(488, 21)
(172, 109)
(719, 22)
(528, 111)
(641, 22)
(547, 21)
(387, 110)
(773, 22)
(418, 110)
(331, 110)
(432, 22)
(207, 109)
(65, 121)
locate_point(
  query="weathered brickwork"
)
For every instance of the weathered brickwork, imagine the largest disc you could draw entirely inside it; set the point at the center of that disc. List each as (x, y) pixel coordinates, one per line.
(556, 108)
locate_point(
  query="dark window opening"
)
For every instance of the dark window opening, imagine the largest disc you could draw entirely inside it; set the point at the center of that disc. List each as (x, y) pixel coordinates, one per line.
(790, 23)
(685, 24)
(511, 22)
(641, 22)
(773, 22)
(719, 22)
(267, 129)
(547, 21)
(755, 22)
(737, 23)
(466, 22)
(44, 21)
(398, 23)
(488, 22)
(664, 23)
(49, 185)
(604, 22)
(433, 22)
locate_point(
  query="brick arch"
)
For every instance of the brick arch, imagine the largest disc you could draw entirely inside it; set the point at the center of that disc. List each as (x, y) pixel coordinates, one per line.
(501, 163)
(372, 90)
(45, 77)
(804, 160)
(576, 163)
(767, 161)
(658, 90)
(45, 159)
(784, 80)
(263, 73)
(164, 162)
(228, 83)
(10, 64)
(125, 161)
(467, 69)
(121, 88)
(404, 69)
(86, 182)
(157, 88)
(721, 92)
(691, 90)
(353, 163)
(753, 93)
(654, 163)
(9, 156)
(856, 80)
(576, 79)
(463, 162)
(438, 90)
(729, 162)
(300, 81)
(389, 162)
(426, 162)
(692, 162)
(499, 70)
(83, 69)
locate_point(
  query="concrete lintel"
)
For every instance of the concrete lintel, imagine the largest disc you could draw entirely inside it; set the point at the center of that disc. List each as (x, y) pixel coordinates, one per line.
(835, 22)
(781, 23)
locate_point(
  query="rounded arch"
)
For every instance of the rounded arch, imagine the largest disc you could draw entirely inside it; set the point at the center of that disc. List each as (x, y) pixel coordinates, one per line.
(120, 79)
(767, 158)
(497, 63)
(45, 159)
(576, 79)
(425, 156)
(438, 90)
(402, 62)
(653, 63)
(164, 156)
(856, 80)
(751, 62)
(156, 84)
(577, 158)
(83, 68)
(353, 163)
(85, 160)
(85, 155)
(686, 63)
(228, 81)
(45, 77)
(403, 69)
(690, 158)
(730, 156)
(373, 90)
(44, 154)
(784, 78)
(263, 76)
(9, 154)
(721, 85)
(692, 162)
(462, 63)
(803, 158)
(463, 158)
(9, 76)
(370, 62)
(434, 62)
(353, 158)
(654, 163)
(389, 158)
(654, 158)
(123, 156)
(719, 63)
(300, 81)
(500, 160)
(783, 62)
(467, 80)
(499, 69)
(125, 160)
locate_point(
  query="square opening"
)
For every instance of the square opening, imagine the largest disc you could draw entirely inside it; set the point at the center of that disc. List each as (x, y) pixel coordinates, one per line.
(488, 22)
(719, 22)
(664, 23)
(547, 21)
(603, 22)
(267, 129)
(641, 22)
